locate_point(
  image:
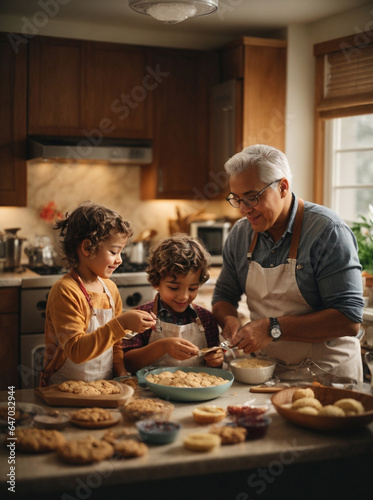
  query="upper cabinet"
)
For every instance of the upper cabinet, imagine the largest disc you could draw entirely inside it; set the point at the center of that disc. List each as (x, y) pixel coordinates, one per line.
(13, 95)
(57, 87)
(198, 107)
(89, 88)
(120, 84)
(181, 125)
(259, 66)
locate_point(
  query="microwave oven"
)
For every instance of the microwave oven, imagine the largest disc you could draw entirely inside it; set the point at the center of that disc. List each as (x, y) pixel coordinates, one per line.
(213, 234)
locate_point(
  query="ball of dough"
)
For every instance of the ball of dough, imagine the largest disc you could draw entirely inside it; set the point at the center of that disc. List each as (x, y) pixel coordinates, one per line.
(303, 393)
(331, 411)
(300, 403)
(308, 410)
(350, 405)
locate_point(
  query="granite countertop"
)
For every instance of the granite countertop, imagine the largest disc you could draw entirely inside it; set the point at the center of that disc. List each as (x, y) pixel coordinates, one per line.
(45, 473)
(8, 279)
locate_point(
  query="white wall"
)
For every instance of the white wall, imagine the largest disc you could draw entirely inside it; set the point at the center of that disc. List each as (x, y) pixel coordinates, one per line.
(300, 87)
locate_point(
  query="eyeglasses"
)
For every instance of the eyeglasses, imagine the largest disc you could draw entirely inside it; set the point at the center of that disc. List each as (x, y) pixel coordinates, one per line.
(250, 201)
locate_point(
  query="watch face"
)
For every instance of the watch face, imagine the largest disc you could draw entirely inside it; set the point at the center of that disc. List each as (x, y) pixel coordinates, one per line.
(275, 332)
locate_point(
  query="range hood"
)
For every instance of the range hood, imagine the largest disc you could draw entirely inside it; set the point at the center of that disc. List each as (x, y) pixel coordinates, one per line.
(83, 149)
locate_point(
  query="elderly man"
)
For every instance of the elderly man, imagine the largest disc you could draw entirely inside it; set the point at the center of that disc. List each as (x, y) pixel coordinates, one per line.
(297, 264)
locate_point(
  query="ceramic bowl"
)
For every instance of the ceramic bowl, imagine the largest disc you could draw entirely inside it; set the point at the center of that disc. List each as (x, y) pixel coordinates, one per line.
(249, 371)
(186, 393)
(158, 431)
(256, 427)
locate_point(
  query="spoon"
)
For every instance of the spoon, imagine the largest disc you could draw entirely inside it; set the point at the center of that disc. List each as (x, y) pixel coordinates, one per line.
(129, 335)
(223, 345)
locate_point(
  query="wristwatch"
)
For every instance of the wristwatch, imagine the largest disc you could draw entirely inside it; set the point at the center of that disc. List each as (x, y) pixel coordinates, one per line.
(274, 329)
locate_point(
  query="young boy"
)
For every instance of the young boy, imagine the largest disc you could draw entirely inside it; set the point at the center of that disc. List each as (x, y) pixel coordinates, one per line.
(178, 266)
(84, 320)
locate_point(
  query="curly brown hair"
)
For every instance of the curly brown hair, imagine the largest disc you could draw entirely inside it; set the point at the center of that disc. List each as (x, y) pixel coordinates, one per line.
(176, 256)
(89, 221)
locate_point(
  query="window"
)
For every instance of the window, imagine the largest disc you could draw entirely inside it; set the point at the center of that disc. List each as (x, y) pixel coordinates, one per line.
(348, 171)
(343, 168)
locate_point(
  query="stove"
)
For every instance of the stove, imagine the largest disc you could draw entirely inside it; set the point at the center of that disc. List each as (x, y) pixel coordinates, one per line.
(133, 286)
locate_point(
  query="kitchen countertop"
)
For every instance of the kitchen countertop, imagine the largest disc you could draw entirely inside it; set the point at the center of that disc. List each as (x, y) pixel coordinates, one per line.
(285, 447)
(9, 279)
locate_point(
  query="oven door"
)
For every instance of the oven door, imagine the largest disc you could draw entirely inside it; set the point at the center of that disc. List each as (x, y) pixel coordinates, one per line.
(32, 354)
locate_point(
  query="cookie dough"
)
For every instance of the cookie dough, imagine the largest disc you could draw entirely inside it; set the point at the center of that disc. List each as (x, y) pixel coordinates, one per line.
(313, 402)
(331, 411)
(303, 393)
(350, 406)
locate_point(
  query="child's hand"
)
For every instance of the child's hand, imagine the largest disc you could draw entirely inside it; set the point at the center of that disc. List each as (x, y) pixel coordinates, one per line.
(180, 348)
(136, 320)
(214, 359)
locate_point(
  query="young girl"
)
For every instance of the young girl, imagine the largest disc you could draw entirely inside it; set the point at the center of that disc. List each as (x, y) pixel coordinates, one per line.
(178, 266)
(84, 320)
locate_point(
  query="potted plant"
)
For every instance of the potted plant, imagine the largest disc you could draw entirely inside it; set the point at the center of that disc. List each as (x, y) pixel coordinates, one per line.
(363, 231)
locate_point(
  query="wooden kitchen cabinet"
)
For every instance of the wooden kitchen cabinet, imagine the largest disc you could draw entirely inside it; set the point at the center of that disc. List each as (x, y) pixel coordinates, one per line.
(13, 95)
(259, 66)
(9, 338)
(120, 85)
(180, 167)
(89, 89)
(57, 86)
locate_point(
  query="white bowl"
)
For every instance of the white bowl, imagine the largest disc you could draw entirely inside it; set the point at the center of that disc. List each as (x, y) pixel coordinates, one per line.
(252, 374)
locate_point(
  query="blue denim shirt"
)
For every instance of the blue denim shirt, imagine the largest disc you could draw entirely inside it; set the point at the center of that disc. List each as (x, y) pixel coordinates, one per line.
(328, 268)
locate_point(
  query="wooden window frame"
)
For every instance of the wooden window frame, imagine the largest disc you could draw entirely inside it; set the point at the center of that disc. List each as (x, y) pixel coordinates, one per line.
(334, 108)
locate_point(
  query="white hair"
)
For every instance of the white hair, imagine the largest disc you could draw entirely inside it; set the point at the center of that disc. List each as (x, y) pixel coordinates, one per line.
(270, 163)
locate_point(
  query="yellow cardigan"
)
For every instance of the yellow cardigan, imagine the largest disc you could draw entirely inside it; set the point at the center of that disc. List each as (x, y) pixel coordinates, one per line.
(67, 319)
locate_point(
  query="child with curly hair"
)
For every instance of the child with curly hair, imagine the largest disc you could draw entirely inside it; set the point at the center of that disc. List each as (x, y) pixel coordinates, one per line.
(84, 322)
(178, 266)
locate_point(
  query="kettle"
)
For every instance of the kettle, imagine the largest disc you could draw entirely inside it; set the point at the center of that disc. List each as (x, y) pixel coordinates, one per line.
(13, 248)
(40, 252)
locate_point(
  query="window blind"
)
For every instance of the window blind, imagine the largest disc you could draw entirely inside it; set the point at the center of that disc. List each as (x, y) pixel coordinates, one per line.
(349, 73)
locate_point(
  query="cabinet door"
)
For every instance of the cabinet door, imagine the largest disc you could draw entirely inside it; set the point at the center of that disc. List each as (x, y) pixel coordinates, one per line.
(120, 86)
(180, 127)
(9, 337)
(57, 91)
(13, 95)
(264, 96)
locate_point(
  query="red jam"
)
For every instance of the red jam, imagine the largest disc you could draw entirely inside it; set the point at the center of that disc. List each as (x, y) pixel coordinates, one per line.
(256, 427)
(245, 411)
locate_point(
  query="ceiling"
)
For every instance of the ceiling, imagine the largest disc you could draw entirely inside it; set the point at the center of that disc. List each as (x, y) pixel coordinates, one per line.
(234, 17)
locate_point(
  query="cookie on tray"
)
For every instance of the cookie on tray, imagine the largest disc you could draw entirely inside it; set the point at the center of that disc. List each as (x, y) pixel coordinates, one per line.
(105, 387)
(85, 451)
(38, 440)
(93, 418)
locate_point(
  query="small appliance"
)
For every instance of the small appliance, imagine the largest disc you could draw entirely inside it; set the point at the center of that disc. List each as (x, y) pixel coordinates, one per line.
(213, 234)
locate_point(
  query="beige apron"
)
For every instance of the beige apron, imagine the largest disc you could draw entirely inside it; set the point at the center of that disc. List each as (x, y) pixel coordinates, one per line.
(98, 368)
(274, 292)
(194, 332)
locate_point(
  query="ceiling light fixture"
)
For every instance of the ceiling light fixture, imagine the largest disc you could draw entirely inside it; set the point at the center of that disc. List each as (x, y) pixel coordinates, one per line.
(174, 11)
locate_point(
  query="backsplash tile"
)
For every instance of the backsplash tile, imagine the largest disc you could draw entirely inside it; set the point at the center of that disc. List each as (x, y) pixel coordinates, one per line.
(117, 187)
